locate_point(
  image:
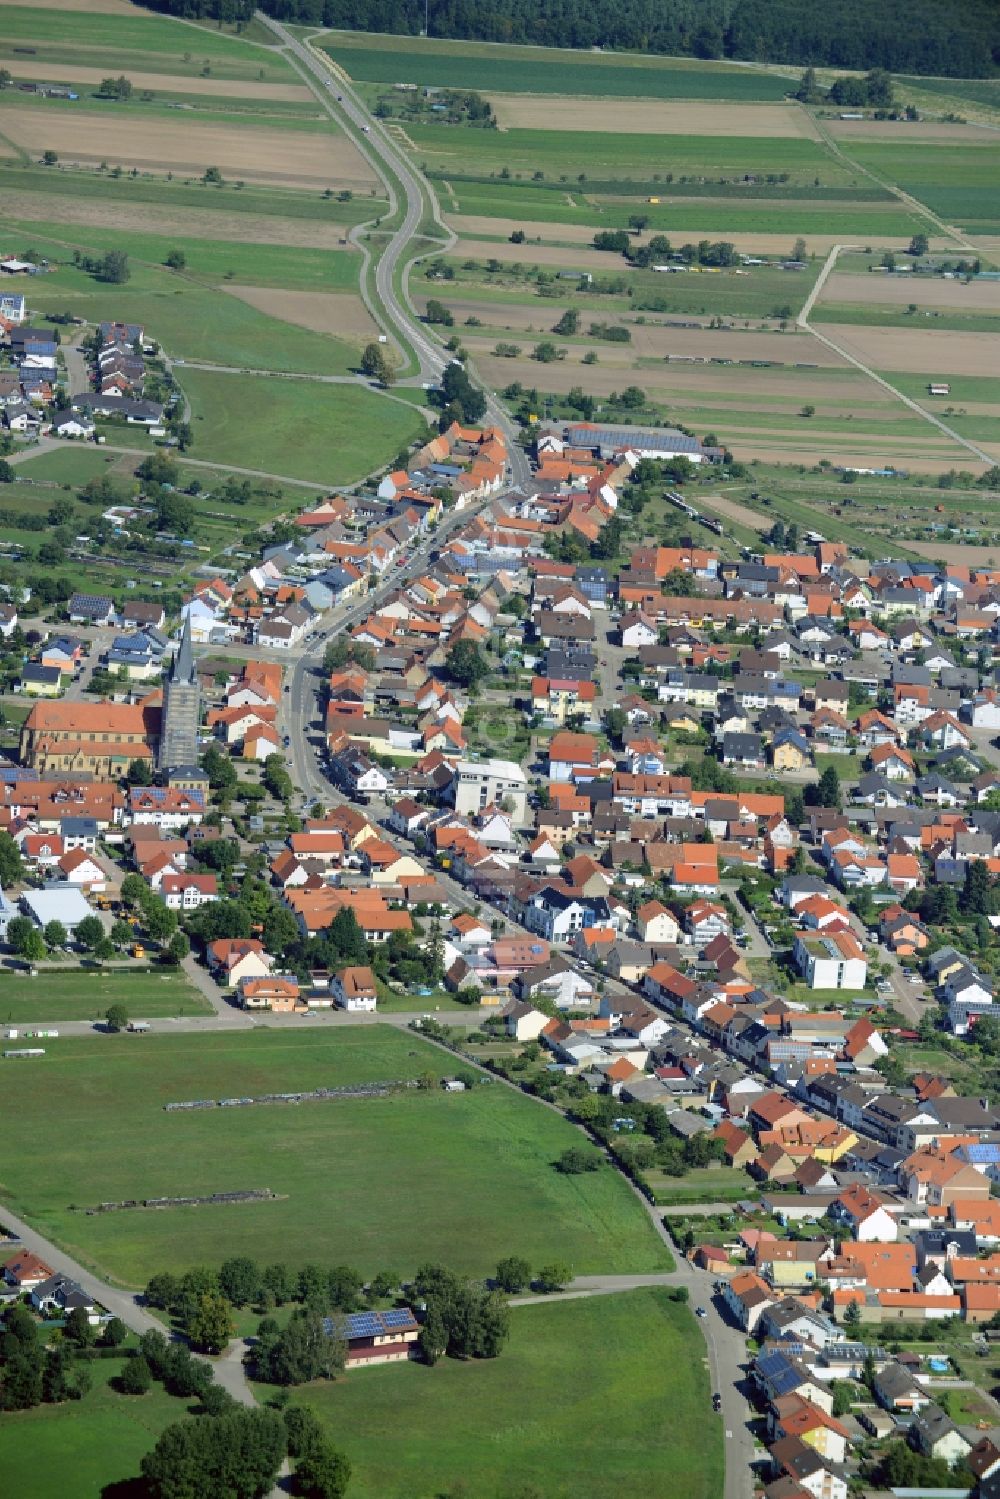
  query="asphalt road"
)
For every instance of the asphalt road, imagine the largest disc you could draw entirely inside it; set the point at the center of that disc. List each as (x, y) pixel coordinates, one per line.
(371, 138)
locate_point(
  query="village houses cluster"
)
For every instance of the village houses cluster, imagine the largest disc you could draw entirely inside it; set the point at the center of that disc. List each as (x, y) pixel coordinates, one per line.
(601, 782)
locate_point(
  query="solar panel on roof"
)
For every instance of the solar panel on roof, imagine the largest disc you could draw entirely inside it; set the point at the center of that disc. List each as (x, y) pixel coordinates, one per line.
(398, 1317)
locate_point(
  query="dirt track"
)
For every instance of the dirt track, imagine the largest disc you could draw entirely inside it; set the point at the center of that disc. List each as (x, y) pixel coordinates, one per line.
(152, 218)
(161, 83)
(741, 514)
(900, 291)
(302, 159)
(919, 350)
(339, 313)
(649, 117)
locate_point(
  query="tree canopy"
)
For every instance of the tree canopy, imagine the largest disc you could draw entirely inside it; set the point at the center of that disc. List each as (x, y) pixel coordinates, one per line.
(908, 36)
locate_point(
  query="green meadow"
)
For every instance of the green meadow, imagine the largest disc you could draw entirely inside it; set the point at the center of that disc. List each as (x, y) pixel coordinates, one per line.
(590, 1399)
(462, 1178)
(85, 994)
(193, 321)
(77, 1448)
(141, 33)
(327, 434)
(215, 260)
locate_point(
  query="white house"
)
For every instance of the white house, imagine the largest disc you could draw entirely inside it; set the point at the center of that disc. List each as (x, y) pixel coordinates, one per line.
(354, 989)
(656, 924)
(832, 960)
(637, 632)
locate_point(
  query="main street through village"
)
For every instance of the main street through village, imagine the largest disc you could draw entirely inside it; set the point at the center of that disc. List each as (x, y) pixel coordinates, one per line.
(726, 1347)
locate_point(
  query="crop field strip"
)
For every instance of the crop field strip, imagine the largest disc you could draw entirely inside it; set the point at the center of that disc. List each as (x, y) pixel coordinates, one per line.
(960, 182)
(173, 84)
(539, 70)
(192, 110)
(320, 159)
(291, 217)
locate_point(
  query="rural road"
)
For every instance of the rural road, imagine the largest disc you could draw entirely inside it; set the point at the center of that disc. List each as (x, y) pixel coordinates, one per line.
(381, 152)
(123, 1304)
(838, 348)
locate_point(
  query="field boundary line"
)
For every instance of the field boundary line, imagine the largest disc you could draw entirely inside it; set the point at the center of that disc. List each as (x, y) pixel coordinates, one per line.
(803, 322)
(948, 230)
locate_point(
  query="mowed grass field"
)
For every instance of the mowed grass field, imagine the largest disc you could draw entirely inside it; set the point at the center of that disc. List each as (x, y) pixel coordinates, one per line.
(85, 36)
(542, 70)
(85, 994)
(326, 434)
(213, 260)
(589, 1400)
(190, 319)
(597, 154)
(77, 1448)
(376, 1183)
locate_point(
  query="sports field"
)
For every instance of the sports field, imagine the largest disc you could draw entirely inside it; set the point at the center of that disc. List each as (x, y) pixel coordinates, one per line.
(301, 429)
(589, 1400)
(462, 1178)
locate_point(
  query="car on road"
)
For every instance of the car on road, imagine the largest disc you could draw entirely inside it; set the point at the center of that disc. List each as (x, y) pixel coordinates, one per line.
(700, 1311)
(717, 1401)
(286, 741)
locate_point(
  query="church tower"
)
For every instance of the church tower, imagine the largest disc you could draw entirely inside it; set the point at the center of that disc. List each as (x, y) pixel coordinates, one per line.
(181, 708)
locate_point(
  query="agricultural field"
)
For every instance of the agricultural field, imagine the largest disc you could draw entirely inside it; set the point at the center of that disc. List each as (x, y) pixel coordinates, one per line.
(539, 70)
(114, 40)
(191, 319)
(198, 210)
(77, 1448)
(315, 159)
(572, 1373)
(85, 994)
(301, 429)
(957, 181)
(461, 1178)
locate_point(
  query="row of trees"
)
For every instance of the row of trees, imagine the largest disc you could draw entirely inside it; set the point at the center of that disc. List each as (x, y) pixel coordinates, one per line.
(719, 252)
(908, 36)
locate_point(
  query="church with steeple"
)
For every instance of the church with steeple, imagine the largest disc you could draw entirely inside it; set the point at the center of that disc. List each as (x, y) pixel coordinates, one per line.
(178, 752)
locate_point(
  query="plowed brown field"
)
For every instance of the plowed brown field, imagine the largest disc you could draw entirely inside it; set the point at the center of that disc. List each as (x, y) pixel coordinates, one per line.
(649, 117)
(926, 291)
(339, 313)
(302, 159)
(160, 83)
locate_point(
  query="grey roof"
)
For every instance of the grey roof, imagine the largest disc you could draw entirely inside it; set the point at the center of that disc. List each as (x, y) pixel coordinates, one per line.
(183, 669)
(593, 436)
